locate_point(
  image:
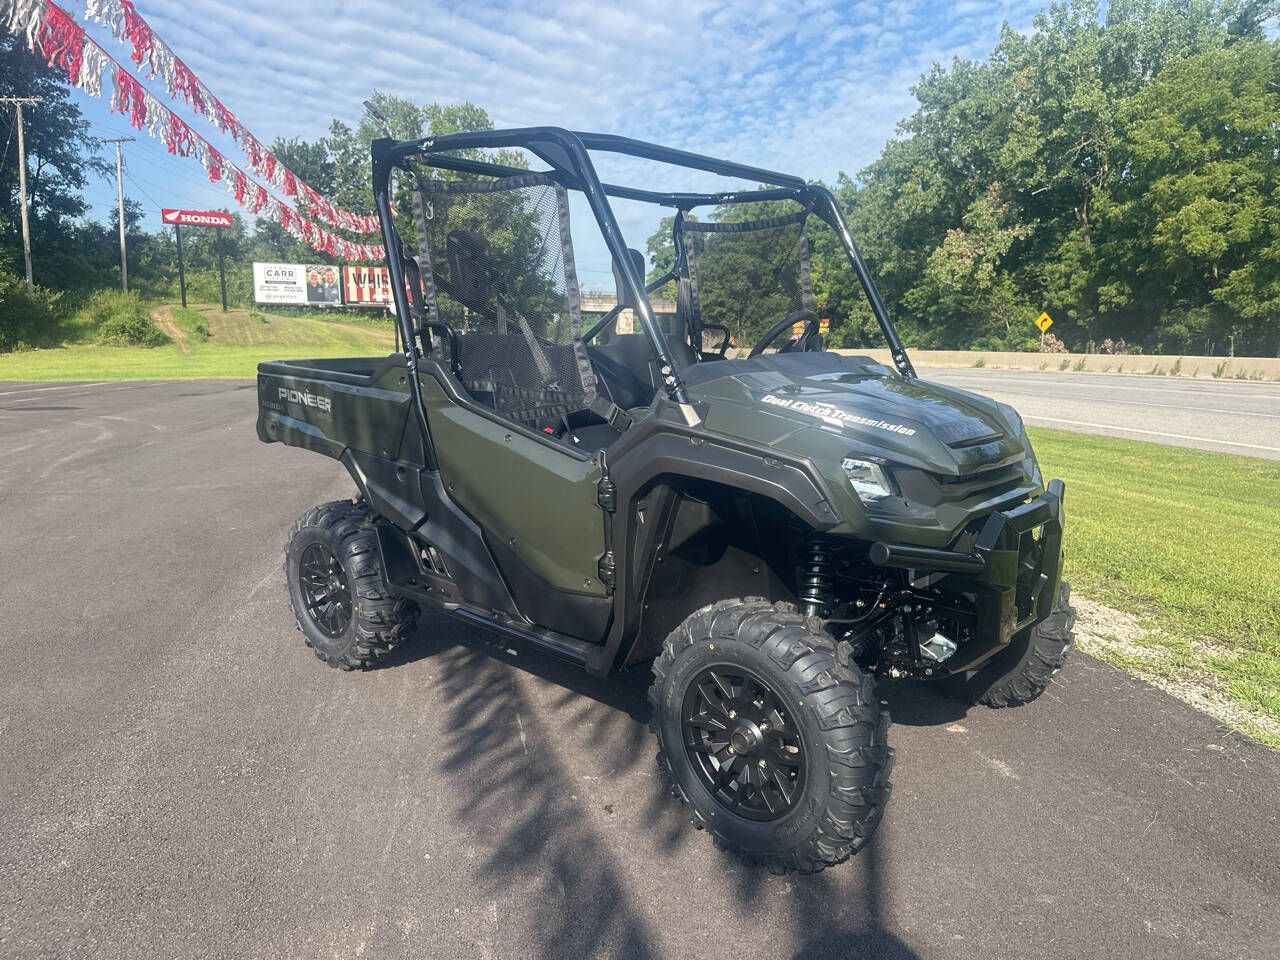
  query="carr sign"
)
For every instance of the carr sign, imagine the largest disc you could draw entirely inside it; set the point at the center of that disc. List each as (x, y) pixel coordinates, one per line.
(196, 218)
(296, 283)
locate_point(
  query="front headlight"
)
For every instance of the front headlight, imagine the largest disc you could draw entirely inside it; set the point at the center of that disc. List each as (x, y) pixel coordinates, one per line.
(868, 479)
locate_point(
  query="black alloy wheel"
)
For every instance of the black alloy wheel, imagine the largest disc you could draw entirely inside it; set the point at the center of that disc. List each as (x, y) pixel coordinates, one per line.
(775, 741)
(347, 612)
(325, 592)
(743, 743)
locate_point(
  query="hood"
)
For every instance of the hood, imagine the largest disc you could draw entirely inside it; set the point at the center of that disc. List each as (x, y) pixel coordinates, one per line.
(820, 404)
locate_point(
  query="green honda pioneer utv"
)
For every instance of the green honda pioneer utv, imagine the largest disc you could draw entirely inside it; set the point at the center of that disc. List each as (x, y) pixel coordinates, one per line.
(772, 532)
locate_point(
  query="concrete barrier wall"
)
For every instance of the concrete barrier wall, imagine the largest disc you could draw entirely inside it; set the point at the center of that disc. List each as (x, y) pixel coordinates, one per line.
(1236, 368)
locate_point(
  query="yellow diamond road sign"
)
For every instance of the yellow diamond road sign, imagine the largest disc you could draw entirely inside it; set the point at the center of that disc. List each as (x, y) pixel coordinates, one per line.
(1044, 322)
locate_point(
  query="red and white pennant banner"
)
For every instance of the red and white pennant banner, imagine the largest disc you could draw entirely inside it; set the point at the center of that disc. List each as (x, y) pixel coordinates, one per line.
(63, 42)
(126, 24)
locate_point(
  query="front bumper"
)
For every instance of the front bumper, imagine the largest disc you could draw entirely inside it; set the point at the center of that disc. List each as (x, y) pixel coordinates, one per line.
(1013, 569)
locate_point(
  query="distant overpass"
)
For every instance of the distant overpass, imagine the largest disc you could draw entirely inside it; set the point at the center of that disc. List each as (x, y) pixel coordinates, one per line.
(595, 302)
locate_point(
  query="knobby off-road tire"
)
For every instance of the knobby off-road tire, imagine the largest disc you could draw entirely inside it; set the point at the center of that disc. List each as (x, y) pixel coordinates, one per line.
(1021, 673)
(362, 621)
(840, 733)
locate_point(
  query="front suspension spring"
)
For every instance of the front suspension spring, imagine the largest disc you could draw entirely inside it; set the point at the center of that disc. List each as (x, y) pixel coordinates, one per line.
(817, 580)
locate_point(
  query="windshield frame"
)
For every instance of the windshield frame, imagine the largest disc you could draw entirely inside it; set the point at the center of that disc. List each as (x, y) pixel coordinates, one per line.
(568, 155)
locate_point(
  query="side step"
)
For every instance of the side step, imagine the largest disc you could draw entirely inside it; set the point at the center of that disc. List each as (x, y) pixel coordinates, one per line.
(419, 571)
(576, 651)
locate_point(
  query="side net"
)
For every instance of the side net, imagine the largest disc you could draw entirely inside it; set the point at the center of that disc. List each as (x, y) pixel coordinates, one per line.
(501, 274)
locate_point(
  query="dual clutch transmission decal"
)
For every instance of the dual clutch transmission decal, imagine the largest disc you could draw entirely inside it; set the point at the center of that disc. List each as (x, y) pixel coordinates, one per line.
(834, 415)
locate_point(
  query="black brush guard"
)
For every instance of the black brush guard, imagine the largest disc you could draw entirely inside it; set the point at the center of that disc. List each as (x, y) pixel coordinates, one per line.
(1013, 572)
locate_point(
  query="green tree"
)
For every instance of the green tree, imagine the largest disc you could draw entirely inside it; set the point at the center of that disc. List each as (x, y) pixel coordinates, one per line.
(60, 158)
(1105, 230)
(1194, 219)
(965, 289)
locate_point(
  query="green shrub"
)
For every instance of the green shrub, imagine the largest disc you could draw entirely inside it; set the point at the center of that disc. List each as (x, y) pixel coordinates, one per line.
(203, 287)
(193, 323)
(980, 362)
(113, 316)
(28, 320)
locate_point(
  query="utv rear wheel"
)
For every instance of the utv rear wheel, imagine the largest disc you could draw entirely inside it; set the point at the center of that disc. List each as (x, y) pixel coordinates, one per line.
(778, 749)
(1022, 672)
(340, 600)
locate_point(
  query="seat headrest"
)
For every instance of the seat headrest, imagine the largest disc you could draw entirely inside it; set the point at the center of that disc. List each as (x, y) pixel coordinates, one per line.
(471, 274)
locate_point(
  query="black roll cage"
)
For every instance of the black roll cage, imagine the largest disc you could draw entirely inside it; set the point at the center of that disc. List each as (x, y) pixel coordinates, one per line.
(567, 153)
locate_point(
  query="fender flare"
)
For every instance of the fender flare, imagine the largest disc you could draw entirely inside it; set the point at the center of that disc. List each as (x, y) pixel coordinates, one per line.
(658, 449)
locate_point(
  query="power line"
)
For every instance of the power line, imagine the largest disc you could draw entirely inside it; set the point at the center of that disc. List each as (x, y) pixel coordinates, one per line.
(8, 140)
(191, 187)
(175, 175)
(137, 186)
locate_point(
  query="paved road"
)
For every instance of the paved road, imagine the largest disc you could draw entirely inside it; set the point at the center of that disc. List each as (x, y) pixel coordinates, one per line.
(180, 777)
(1226, 415)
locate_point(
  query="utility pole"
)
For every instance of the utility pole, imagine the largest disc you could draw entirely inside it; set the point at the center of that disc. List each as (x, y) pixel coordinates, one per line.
(124, 259)
(18, 103)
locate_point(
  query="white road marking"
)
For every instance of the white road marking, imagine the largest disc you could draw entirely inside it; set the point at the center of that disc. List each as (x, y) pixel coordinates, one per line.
(1156, 384)
(999, 765)
(1052, 421)
(153, 426)
(119, 387)
(65, 386)
(103, 435)
(1139, 403)
(524, 744)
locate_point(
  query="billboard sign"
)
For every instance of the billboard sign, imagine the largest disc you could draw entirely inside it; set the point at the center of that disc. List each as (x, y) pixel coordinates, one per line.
(196, 218)
(366, 286)
(297, 284)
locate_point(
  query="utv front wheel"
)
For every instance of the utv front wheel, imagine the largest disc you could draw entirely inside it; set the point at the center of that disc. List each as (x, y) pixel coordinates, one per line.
(778, 749)
(343, 606)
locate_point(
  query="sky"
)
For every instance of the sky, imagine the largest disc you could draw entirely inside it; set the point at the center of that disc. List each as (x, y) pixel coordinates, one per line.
(811, 87)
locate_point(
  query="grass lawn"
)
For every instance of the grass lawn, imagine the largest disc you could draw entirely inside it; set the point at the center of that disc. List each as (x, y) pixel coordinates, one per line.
(237, 341)
(1190, 542)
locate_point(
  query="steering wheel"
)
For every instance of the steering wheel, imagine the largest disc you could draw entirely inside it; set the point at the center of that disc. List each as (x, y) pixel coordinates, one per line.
(726, 338)
(803, 343)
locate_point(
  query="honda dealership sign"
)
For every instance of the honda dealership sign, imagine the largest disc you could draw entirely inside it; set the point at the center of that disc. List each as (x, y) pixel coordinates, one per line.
(196, 218)
(297, 284)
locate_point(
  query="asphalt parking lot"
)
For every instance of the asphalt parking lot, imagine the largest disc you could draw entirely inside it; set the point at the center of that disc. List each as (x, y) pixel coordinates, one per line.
(180, 777)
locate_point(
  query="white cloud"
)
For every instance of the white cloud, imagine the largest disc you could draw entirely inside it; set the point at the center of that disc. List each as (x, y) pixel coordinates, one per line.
(812, 87)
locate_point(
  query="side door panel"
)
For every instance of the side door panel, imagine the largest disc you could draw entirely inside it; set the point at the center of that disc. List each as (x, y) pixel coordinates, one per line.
(538, 502)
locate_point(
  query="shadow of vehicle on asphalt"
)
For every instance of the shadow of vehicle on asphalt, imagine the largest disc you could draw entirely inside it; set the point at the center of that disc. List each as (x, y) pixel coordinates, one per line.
(915, 703)
(556, 855)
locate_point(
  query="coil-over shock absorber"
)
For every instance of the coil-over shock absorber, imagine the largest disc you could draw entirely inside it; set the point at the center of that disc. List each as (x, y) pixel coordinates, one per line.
(817, 581)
